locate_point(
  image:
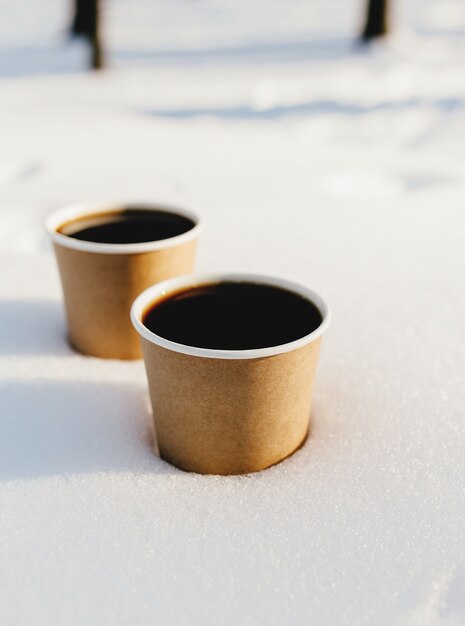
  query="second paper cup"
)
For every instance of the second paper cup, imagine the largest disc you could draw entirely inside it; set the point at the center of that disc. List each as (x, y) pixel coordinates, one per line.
(101, 280)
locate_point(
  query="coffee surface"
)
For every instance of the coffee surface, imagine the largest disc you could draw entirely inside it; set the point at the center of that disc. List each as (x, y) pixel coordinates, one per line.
(127, 226)
(233, 316)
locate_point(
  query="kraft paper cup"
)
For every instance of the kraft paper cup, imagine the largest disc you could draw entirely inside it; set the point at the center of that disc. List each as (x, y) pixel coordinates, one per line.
(228, 411)
(101, 280)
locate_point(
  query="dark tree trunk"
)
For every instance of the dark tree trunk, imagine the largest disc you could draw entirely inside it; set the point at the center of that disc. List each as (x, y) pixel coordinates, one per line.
(86, 24)
(376, 24)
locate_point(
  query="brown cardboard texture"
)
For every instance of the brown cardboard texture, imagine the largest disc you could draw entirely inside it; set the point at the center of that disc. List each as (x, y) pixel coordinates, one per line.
(100, 288)
(230, 416)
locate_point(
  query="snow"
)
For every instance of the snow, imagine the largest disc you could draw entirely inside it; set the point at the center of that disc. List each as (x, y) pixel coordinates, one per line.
(311, 160)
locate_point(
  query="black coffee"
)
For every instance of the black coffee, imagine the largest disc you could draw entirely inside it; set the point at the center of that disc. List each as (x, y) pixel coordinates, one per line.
(233, 316)
(127, 226)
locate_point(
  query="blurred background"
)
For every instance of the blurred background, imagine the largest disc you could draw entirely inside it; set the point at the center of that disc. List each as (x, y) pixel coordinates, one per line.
(250, 106)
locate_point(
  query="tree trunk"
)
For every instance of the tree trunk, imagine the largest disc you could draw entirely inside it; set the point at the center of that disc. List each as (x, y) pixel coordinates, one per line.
(86, 24)
(376, 24)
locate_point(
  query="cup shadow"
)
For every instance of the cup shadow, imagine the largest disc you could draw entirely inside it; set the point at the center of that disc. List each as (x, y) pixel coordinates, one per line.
(50, 428)
(33, 327)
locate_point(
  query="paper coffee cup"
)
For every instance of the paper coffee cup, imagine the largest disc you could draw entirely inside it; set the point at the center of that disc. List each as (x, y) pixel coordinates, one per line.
(228, 411)
(101, 280)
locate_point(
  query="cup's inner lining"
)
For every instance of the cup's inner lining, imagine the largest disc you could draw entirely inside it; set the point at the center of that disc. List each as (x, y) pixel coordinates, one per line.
(232, 316)
(127, 225)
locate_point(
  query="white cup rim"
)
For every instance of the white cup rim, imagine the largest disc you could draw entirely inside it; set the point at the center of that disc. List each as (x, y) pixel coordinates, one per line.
(173, 285)
(80, 209)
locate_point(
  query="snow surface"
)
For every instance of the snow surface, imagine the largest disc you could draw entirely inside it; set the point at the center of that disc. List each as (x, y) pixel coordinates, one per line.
(311, 160)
